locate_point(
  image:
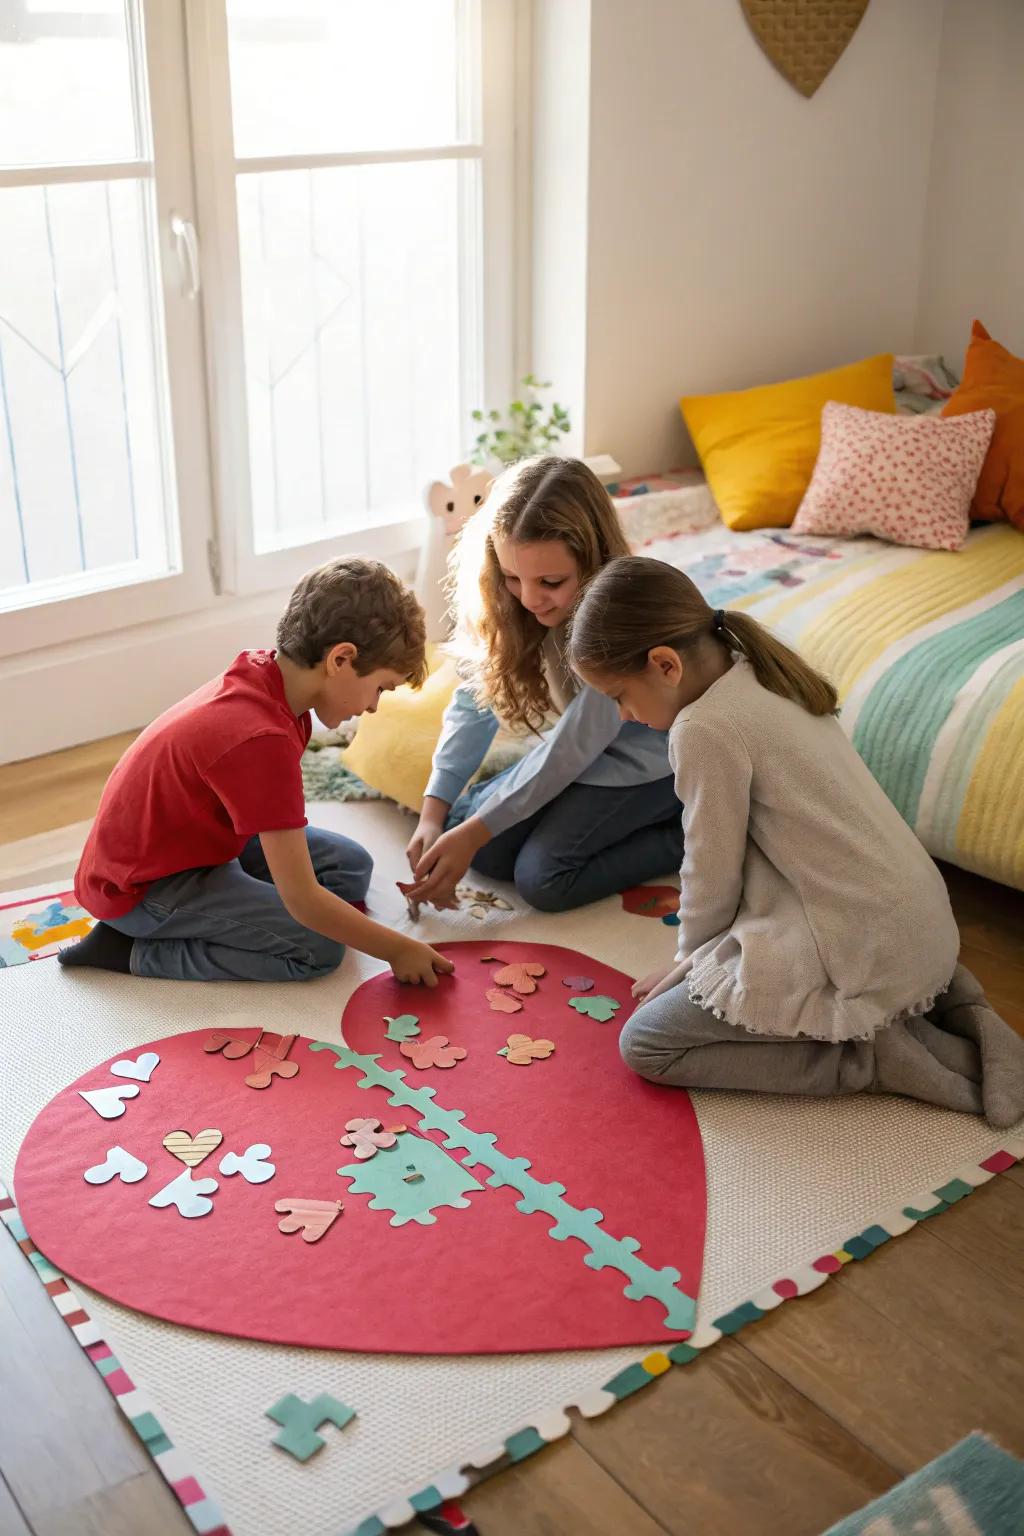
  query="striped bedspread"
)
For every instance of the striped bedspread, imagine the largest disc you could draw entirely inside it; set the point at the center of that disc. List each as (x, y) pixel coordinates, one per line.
(927, 651)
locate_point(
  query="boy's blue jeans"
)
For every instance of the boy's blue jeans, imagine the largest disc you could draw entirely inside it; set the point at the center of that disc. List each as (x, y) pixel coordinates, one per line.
(227, 923)
(589, 842)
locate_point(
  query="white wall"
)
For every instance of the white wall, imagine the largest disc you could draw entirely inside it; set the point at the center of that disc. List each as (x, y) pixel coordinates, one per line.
(974, 234)
(736, 232)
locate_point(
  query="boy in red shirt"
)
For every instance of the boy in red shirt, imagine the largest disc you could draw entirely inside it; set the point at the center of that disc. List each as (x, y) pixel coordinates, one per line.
(200, 865)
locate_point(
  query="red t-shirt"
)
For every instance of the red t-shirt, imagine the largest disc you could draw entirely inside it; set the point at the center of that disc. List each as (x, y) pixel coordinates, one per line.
(207, 775)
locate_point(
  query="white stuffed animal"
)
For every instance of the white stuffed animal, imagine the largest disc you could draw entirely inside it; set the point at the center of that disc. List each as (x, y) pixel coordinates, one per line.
(448, 507)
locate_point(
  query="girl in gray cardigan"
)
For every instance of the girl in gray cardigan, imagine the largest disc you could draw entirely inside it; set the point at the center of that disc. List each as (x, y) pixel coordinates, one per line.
(817, 948)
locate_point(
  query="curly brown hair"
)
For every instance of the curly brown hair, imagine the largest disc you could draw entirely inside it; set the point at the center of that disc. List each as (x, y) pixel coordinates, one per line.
(360, 601)
(497, 643)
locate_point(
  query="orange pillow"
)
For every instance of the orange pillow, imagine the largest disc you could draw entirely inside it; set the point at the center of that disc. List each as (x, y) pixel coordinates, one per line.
(994, 378)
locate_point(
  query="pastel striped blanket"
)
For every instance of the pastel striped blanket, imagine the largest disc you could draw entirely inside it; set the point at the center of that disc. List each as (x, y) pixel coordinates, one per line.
(927, 651)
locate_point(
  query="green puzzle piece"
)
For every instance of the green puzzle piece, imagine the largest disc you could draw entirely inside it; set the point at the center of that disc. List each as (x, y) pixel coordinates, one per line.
(403, 1027)
(442, 1181)
(301, 1420)
(600, 1008)
(605, 1250)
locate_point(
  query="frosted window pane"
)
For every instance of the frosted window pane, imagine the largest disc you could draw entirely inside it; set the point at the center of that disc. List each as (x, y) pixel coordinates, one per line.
(81, 482)
(316, 76)
(65, 83)
(351, 309)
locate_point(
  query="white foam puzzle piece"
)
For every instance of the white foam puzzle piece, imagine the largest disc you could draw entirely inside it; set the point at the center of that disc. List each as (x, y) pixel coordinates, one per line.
(140, 1070)
(188, 1194)
(109, 1102)
(251, 1164)
(118, 1163)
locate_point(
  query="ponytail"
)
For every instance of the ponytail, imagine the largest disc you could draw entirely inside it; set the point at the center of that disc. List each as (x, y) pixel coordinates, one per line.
(635, 604)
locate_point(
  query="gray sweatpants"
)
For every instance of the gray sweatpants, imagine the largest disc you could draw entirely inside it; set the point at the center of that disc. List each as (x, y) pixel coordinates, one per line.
(961, 1055)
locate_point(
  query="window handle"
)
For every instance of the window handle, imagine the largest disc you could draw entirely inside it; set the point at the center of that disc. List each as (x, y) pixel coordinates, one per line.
(184, 232)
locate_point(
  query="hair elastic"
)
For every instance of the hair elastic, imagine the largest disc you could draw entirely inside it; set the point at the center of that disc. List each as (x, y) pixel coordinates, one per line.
(718, 621)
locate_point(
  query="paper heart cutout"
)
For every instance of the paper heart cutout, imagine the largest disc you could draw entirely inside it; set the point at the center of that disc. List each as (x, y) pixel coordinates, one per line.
(251, 1164)
(600, 1008)
(578, 983)
(402, 1027)
(117, 1164)
(187, 1194)
(520, 977)
(502, 1002)
(435, 1052)
(521, 1050)
(109, 1102)
(310, 1217)
(141, 1069)
(366, 1137)
(191, 1150)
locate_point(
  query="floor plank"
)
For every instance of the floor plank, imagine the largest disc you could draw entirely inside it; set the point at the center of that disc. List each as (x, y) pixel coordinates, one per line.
(988, 1227)
(726, 1447)
(12, 1522)
(559, 1491)
(906, 1402)
(1016, 1174)
(46, 792)
(143, 1506)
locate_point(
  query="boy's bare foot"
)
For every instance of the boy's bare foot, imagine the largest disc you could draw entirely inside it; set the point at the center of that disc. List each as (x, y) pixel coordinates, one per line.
(104, 948)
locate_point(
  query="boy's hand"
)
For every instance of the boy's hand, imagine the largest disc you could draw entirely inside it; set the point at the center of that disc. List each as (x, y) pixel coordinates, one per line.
(414, 962)
(656, 982)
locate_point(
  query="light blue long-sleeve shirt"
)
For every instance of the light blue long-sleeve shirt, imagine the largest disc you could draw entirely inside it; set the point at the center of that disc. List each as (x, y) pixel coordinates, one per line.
(588, 744)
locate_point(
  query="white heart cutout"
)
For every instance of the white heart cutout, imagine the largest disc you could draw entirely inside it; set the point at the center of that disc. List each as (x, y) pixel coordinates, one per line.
(141, 1069)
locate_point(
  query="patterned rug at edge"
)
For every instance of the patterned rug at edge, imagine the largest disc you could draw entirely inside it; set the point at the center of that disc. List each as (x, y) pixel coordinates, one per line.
(975, 1489)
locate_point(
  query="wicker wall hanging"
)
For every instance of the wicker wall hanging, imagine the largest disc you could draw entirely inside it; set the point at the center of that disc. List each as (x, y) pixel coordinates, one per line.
(804, 38)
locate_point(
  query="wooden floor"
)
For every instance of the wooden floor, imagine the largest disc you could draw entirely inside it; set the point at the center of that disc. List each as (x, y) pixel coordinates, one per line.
(802, 1418)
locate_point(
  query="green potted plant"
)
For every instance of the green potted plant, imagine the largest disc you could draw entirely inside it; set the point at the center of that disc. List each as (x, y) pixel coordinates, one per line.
(525, 428)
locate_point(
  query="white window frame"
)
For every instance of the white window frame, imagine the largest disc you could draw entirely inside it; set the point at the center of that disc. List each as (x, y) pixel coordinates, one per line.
(121, 599)
(492, 301)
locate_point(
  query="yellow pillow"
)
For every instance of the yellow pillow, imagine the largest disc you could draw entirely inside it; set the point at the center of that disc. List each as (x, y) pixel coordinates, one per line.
(392, 749)
(759, 446)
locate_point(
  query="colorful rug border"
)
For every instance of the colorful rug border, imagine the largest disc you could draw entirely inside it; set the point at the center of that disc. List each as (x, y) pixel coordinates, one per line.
(448, 1485)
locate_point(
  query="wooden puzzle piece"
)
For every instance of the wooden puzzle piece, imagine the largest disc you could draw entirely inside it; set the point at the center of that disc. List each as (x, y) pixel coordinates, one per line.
(189, 1196)
(269, 1060)
(502, 1002)
(366, 1137)
(191, 1150)
(229, 1045)
(301, 1420)
(521, 1050)
(598, 1007)
(403, 1027)
(109, 1102)
(435, 1052)
(251, 1164)
(117, 1164)
(579, 983)
(310, 1217)
(140, 1070)
(520, 976)
(441, 1181)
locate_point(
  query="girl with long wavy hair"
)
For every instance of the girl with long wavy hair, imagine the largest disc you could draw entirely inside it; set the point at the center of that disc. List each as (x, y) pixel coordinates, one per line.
(817, 949)
(590, 809)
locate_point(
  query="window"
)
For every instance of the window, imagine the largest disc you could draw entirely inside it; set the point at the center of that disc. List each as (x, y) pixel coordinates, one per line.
(243, 316)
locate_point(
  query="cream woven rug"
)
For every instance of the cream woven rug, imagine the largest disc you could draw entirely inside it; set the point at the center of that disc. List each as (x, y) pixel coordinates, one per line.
(789, 1180)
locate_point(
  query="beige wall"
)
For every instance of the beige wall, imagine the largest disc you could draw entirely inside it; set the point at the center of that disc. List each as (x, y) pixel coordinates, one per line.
(974, 234)
(736, 232)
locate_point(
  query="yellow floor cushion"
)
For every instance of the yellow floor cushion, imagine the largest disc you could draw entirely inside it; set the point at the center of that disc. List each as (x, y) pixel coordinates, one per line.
(392, 749)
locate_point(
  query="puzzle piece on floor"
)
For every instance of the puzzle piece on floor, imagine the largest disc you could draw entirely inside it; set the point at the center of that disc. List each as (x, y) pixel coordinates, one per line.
(481, 902)
(442, 1181)
(366, 1137)
(433, 1052)
(117, 1164)
(140, 1070)
(192, 1150)
(402, 1027)
(269, 1061)
(310, 1217)
(109, 1102)
(521, 1050)
(619, 1253)
(597, 1007)
(300, 1421)
(521, 977)
(189, 1196)
(503, 1002)
(232, 1048)
(251, 1164)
